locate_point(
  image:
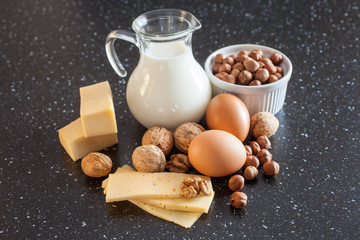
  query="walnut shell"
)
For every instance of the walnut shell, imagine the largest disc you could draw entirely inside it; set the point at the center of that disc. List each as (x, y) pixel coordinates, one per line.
(185, 133)
(149, 158)
(160, 137)
(96, 165)
(263, 123)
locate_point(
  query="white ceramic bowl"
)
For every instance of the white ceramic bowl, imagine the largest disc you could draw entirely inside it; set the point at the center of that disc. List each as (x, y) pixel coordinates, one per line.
(264, 98)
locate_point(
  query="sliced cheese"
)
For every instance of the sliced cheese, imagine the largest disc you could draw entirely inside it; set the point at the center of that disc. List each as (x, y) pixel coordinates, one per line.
(97, 110)
(77, 146)
(137, 185)
(197, 204)
(184, 219)
(124, 168)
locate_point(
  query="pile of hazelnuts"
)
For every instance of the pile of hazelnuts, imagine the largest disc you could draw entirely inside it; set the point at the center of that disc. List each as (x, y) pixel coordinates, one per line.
(252, 69)
(257, 153)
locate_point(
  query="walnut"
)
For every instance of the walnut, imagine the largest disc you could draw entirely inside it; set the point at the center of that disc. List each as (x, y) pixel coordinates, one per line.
(185, 133)
(96, 165)
(160, 137)
(193, 186)
(263, 123)
(149, 158)
(178, 163)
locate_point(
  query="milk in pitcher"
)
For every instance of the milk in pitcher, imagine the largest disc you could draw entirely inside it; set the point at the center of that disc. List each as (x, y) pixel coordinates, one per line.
(168, 87)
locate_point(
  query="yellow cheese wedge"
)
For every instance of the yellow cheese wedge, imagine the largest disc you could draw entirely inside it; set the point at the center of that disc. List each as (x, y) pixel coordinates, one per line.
(197, 204)
(184, 219)
(97, 110)
(77, 146)
(138, 185)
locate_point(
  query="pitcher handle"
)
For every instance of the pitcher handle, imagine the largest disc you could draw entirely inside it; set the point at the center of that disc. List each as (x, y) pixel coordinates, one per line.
(110, 50)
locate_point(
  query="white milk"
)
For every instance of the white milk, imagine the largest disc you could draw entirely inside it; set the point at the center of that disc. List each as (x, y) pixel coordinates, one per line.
(168, 87)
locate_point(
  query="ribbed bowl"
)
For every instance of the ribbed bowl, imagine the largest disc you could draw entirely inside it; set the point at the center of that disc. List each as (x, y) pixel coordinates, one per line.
(264, 98)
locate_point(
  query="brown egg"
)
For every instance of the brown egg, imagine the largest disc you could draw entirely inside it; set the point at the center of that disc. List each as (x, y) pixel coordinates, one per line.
(216, 153)
(228, 113)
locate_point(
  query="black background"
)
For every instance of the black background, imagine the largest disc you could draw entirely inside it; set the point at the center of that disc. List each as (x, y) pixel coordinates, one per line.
(51, 48)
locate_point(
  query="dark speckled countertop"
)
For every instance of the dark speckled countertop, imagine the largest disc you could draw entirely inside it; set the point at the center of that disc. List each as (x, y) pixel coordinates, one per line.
(48, 49)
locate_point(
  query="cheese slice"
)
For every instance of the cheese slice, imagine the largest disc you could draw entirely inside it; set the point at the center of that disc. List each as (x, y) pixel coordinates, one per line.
(197, 204)
(77, 146)
(138, 185)
(97, 110)
(184, 219)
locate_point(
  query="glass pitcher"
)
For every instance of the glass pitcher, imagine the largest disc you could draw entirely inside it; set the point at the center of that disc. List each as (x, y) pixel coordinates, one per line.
(168, 86)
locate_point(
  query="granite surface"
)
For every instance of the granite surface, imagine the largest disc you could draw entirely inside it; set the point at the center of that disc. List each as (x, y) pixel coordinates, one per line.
(51, 48)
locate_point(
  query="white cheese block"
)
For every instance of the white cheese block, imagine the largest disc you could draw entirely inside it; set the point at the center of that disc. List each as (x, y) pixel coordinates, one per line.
(138, 185)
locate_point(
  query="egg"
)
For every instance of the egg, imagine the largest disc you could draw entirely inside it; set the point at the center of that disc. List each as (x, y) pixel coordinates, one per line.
(216, 153)
(228, 113)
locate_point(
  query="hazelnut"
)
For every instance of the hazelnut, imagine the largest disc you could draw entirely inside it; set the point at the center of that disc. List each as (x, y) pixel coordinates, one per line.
(245, 77)
(216, 67)
(235, 73)
(243, 52)
(279, 75)
(160, 137)
(238, 66)
(258, 51)
(251, 65)
(240, 58)
(251, 160)
(250, 173)
(279, 69)
(262, 75)
(229, 78)
(219, 58)
(255, 55)
(255, 83)
(96, 165)
(228, 60)
(225, 68)
(271, 168)
(185, 133)
(221, 75)
(238, 199)
(276, 58)
(236, 182)
(248, 150)
(270, 67)
(148, 158)
(272, 79)
(233, 56)
(263, 142)
(261, 64)
(263, 123)
(255, 147)
(266, 60)
(264, 156)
